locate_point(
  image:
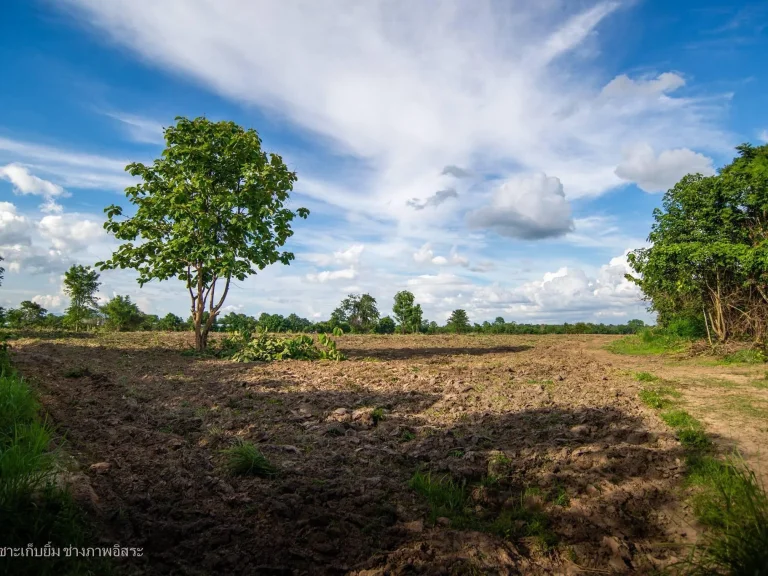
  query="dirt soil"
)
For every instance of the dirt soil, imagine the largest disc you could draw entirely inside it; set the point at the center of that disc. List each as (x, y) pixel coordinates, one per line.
(145, 426)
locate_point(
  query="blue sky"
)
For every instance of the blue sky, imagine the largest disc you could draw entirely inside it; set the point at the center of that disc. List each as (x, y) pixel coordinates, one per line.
(500, 157)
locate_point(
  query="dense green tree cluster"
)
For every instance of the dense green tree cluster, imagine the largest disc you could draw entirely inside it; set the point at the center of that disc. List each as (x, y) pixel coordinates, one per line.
(707, 267)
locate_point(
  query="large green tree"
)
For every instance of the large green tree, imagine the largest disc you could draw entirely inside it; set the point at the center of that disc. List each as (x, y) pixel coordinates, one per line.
(359, 310)
(121, 314)
(81, 284)
(709, 255)
(407, 313)
(171, 323)
(210, 210)
(458, 322)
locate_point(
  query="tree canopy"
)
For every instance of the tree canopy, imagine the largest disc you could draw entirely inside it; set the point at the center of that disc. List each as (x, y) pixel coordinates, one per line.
(359, 310)
(709, 256)
(81, 284)
(458, 322)
(407, 313)
(121, 314)
(210, 210)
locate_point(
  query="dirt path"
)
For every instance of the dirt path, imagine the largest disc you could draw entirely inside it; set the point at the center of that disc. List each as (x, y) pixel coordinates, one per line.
(565, 469)
(731, 399)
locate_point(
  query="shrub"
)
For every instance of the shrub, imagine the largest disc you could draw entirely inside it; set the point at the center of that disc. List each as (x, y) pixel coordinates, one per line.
(266, 347)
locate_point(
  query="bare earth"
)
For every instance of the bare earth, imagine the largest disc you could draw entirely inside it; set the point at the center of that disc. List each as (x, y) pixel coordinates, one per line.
(557, 413)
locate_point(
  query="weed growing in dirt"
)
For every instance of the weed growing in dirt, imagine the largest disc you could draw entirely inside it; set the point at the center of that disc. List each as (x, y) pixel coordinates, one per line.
(377, 415)
(526, 520)
(446, 497)
(646, 377)
(407, 436)
(559, 497)
(244, 459)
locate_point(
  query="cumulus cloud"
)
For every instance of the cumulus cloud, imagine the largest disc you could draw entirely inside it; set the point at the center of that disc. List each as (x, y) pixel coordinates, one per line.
(24, 182)
(654, 173)
(51, 302)
(435, 200)
(14, 228)
(330, 275)
(350, 256)
(529, 207)
(763, 136)
(70, 232)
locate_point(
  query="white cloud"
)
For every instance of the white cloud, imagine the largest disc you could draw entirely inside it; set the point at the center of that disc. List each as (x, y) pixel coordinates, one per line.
(350, 256)
(72, 169)
(140, 129)
(410, 89)
(14, 228)
(330, 275)
(763, 136)
(51, 302)
(623, 87)
(654, 173)
(26, 183)
(528, 207)
(423, 254)
(70, 232)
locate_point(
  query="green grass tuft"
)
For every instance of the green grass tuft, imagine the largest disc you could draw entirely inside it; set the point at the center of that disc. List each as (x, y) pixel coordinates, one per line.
(734, 506)
(244, 459)
(446, 497)
(646, 377)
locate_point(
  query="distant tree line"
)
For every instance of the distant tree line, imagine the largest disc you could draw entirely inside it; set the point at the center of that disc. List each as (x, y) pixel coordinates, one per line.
(356, 314)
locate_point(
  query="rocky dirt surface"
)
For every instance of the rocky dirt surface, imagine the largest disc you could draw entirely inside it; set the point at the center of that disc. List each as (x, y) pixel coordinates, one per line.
(519, 419)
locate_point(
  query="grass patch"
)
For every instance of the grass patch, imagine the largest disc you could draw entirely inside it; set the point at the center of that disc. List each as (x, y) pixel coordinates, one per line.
(645, 377)
(446, 497)
(244, 459)
(746, 356)
(734, 506)
(728, 499)
(647, 342)
(524, 520)
(657, 398)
